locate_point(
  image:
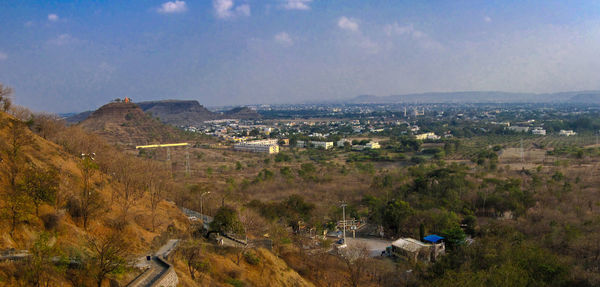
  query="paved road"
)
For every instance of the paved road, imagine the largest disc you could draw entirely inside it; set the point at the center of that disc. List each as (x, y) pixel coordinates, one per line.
(155, 267)
(374, 245)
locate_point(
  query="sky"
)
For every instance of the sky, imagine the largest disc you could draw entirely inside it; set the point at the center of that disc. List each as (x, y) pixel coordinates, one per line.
(70, 56)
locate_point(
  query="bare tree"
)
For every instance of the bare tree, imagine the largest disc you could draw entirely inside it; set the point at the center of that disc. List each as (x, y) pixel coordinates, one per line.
(109, 254)
(89, 199)
(127, 174)
(156, 186)
(355, 256)
(5, 97)
(47, 125)
(191, 252)
(13, 158)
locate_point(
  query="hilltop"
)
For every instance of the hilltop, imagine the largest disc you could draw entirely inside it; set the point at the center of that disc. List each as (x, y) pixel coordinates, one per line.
(127, 124)
(175, 112)
(179, 113)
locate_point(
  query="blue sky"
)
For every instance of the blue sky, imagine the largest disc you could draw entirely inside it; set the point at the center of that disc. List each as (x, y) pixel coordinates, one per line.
(63, 56)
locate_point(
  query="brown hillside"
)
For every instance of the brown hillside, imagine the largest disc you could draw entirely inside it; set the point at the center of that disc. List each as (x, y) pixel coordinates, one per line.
(127, 124)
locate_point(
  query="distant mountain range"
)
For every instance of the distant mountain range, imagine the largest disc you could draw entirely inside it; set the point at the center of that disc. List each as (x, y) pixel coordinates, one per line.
(180, 112)
(590, 97)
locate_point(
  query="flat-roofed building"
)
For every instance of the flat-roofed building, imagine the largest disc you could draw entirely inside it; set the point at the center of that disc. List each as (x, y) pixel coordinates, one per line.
(566, 133)
(416, 250)
(372, 145)
(427, 136)
(262, 146)
(323, 145)
(538, 131)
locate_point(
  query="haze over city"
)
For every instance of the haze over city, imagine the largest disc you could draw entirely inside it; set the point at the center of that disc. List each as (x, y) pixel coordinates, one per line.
(69, 56)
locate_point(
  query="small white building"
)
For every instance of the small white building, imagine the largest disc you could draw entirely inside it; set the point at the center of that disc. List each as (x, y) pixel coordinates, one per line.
(342, 142)
(372, 145)
(518, 129)
(427, 136)
(416, 250)
(566, 133)
(323, 145)
(538, 131)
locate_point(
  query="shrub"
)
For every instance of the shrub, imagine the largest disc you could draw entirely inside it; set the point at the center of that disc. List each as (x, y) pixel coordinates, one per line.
(251, 258)
(51, 221)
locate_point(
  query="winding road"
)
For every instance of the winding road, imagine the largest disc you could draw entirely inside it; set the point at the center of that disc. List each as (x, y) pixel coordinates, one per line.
(156, 266)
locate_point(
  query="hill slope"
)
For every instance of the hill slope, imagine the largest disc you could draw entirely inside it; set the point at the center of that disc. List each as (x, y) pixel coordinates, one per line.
(127, 124)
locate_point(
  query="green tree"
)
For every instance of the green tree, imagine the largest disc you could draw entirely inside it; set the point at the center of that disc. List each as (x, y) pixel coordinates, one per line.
(226, 220)
(41, 266)
(396, 215)
(41, 185)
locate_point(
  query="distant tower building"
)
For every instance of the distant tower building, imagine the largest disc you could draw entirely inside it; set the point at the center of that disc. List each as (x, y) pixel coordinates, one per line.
(127, 100)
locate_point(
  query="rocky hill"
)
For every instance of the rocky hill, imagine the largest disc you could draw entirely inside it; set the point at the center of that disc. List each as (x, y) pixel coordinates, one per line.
(127, 124)
(178, 113)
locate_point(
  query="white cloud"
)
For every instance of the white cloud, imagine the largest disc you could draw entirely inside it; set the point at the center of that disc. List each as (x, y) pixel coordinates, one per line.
(172, 7)
(29, 24)
(62, 39)
(348, 24)
(409, 30)
(226, 9)
(52, 17)
(284, 39)
(297, 5)
(487, 19)
(3, 56)
(243, 10)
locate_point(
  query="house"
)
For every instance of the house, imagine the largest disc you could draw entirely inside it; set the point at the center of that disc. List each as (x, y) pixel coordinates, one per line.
(414, 250)
(566, 133)
(342, 142)
(518, 129)
(427, 136)
(323, 145)
(538, 131)
(372, 145)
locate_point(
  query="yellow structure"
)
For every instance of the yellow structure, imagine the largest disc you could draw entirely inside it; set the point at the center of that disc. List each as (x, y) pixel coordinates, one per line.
(162, 145)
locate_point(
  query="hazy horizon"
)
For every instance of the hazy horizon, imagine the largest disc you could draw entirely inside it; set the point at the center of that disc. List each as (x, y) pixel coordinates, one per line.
(69, 56)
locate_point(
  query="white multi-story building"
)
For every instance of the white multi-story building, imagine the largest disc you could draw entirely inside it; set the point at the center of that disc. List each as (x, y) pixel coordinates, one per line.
(265, 146)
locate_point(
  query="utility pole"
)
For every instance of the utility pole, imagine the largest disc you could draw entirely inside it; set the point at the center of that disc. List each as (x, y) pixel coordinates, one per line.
(187, 160)
(344, 218)
(522, 153)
